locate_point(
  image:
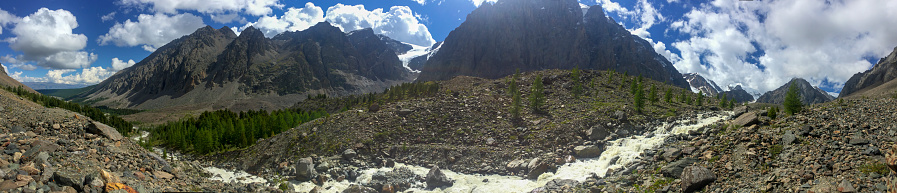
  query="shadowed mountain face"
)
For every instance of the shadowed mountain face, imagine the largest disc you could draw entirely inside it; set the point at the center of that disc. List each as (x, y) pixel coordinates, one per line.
(217, 66)
(697, 82)
(496, 39)
(884, 71)
(808, 93)
(739, 94)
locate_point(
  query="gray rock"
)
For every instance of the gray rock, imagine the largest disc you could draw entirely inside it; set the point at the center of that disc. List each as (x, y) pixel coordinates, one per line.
(805, 130)
(674, 169)
(42, 157)
(872, 151)
(405, 112)
(846, 187)
(788, 138)
(104, 130)
(305, 170)
(72, 179)
(671, 154)
(620, 115)
(165, 166)
(16, 129)
(747, 119)
(587, 151)
(322, 167)
(435, 178)
(597, 132)
(11, 149)
(858, 140)
(694, 178)
(349, 154)
(739, 111)
(536, 167)
(560, 185)
(359, 189)
(516, 165)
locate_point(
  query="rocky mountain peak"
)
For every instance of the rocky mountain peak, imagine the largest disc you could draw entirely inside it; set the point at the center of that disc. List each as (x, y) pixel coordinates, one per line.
(882, 72)
(699, 83)
(808, 93)
(227, 32)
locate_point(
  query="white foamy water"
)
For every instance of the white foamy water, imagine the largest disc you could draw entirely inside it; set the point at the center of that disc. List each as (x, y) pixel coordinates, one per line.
(627, 149)
(233, 176)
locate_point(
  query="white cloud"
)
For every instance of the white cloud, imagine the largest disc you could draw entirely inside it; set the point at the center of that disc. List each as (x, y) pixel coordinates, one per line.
(477, 3)
(108, 17)
(22, 78)
(764, 44)
(421, 2)
(294, 19)
(225, 18)
(399, 23)
(5, 70)
(69, 60)
(614, 7)
(251, 7)
(45, 33)
(121, 64)
(6, 19)
(151, 31)
(92, 75)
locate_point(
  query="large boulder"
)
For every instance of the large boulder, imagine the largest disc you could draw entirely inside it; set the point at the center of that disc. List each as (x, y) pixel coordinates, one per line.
(674, 169)
(739, 111)
(536, 167)
(104, 130)
(66, 178)
(305, 170)
(587, 151)
(516, 165)
(597, 132)
(435, 178)
(694, 178)
(747, 119)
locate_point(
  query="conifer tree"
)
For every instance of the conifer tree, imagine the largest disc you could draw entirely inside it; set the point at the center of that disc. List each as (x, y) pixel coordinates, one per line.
(668, 95)
(652, 95)
(536, 98)
(700, 98)
(792, 100)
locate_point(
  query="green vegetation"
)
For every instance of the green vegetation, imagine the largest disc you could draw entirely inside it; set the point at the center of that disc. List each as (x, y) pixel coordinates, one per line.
(639, 97)
(700, 98)
(652, 94)
(792, 100)
(775, 150)
(65, 93)
(723, 103)
(668, 95)
(536, 97)
(577, 85)
(682, 98)
(219, 130)
(515, 95)
(98, 115)
(610, 76)
(874, 167)
(732, 103)
(771, 113)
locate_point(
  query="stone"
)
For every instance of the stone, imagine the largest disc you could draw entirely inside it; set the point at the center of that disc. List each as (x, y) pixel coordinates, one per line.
(694, 178)
(16, 129)
(359, 189)
(620, 115)
(162, 175)
(671, 154)
(104, 130)
(587, 151)
(805, 130)
(30, 169)
(739, 111)
(561, 185)
(29, 155)
(316, 189)
(322, 167)
(674, 169)
(11, 148)
(435, 178)
(597, 132)
(788, 138)
(8, 185)
(16, 157)
(846, 187)
(404, 112)
(747, 119)
(165, 166)
(72, 179)
(56, 126)
(349, 154)
(871, 150)
(139, 175)
(305, 170)
(858, 140)
(516, 165)
(535, 168)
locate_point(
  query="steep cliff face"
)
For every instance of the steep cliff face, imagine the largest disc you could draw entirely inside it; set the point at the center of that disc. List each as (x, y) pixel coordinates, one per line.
(884, 71)
(220, 68)
(496, 39)
(808, 93)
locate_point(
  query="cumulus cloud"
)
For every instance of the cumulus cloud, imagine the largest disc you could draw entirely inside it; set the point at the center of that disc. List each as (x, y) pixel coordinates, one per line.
(399, 23)
(421, 2)
(46, 37)
(121, 64)
(294, 19)
(92, 75)
(6, 19)
(251, 7)
(226, 18)
(477, 3)
(108, 17)
(24, 78)
(764, 44)
(151, 31)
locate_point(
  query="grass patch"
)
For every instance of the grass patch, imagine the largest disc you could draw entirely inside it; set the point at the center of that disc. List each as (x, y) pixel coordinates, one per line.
(874, 167)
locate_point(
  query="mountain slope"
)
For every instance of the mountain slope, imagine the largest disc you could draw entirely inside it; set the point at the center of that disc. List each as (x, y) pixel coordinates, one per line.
(7, 81)
(496, 39)
(697, 82)
(739, 94)
(214, 69)
(808, 93)
(884, 71)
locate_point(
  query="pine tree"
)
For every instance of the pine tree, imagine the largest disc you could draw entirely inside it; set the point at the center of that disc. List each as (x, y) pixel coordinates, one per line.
(700, 98)
(688, 99)
(732, 103)
(577, 84)
(723, 103)
(610, 77)
(515, 95)
(633, 87)
(682, 96)
(668, 95)
(536, 98)
(639, 98)
(792, 100)
(652, 95)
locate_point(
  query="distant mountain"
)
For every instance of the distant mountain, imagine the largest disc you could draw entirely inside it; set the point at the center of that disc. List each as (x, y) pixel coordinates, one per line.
(865, 83)
(698, 83)
(496, 39)
(50, 85)
(808, 93)
(739, 94)
(7, 81)
(216, 68)
(417, 63)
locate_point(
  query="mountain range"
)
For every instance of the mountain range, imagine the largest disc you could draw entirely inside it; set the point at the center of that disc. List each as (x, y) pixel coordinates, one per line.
(215, 67)
(497, 39)
(875, 81)
(808, 93)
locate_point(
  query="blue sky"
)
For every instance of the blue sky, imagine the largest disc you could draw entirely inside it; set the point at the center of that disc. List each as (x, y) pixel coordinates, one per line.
(757, 44)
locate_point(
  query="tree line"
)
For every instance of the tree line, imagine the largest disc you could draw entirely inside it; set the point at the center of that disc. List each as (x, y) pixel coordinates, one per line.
(123, 127)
